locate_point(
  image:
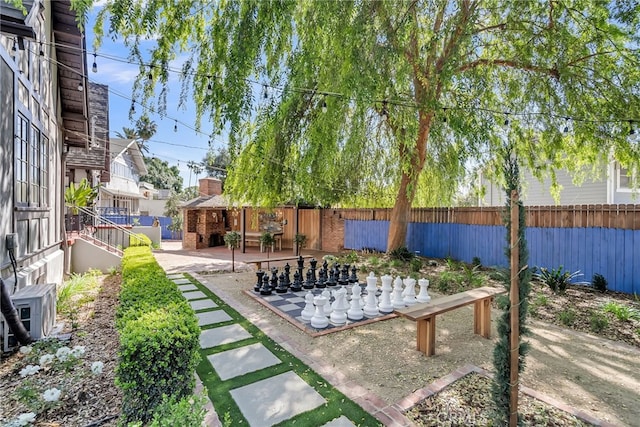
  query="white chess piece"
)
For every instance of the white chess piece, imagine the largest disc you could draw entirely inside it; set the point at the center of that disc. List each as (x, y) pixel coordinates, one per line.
(309, 309)
(385, 305)
(319, 320)
(397, 299)
(340, 306)
(355, 310)
(423, 296)
(410, 291)
(371, 302)
(327, 306)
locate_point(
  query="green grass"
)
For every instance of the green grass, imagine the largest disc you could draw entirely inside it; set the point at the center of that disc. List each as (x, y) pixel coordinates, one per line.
(219, 391)
(75, 292)
(621, 311)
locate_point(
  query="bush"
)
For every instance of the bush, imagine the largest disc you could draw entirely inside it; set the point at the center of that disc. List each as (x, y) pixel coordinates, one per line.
(159, 338)
(567, 317)
(599, 283)
(188, 411)
(621, 311)
(598, 321)
(476, 262)
(415, 265)
(139, 239)
(402, 254)
(557, 279)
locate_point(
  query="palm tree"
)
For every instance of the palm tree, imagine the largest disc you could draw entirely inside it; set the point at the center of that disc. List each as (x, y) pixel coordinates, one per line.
(144, 131)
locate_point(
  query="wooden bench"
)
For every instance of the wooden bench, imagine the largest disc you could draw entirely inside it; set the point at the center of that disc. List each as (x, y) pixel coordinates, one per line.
(258, 262)
(253, 237)
(425, 314)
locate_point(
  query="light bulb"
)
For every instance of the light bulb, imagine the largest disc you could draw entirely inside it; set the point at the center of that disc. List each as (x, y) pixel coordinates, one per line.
(633, 135)
(94, 68)
(324, 106)
(80, 87)
(132, 110)
(175, 127)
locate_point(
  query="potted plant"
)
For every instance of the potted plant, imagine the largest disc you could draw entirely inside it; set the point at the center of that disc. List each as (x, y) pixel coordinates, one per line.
(301, 241)
(76, 197)
(232, 240)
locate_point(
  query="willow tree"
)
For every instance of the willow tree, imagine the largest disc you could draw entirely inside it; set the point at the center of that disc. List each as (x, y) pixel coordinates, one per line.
(386, 102)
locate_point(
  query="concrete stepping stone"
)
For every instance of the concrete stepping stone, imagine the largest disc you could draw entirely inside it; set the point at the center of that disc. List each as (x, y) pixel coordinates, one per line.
(340, 422)
(240, 361)
(181, 281)
(202, 304)
(212, 317)
(194, 295)
(223, 335)
(272, 400)
(189, 287)
(175, 276)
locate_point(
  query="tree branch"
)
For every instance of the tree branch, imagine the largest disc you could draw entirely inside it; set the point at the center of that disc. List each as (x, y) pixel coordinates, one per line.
(574, 62)
(500, 26)
(553, 72)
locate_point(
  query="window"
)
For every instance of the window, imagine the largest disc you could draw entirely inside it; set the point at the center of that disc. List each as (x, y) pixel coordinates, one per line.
(32, 165)
(625, 179)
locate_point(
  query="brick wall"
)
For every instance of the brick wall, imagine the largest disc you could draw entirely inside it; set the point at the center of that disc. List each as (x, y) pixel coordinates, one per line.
(210, 187)
(332, 230)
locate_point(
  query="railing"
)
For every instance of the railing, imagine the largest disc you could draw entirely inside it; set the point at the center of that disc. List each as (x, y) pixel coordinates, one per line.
(115, 215)
(100, 230)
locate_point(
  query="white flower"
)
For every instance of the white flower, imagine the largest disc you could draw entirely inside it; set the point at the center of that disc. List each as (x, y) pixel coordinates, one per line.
(46, 359)
(29, 370)
(96, 367)
(25, 349)
(63, 353)
(26, 418)
(78, 351)
(51, 394)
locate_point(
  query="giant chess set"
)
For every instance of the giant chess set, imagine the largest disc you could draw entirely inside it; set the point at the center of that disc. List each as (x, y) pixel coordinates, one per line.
(331, 298)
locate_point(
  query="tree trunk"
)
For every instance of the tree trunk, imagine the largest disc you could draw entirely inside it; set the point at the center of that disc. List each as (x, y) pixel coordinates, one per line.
(401, 213)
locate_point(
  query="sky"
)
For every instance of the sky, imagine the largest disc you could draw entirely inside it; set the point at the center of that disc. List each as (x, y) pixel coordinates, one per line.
(176, 148)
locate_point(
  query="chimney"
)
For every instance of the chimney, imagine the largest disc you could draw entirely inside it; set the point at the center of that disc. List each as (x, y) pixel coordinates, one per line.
(210, 186)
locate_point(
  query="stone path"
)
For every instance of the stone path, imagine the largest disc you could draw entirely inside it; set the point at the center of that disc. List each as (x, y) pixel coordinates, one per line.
(265, 402)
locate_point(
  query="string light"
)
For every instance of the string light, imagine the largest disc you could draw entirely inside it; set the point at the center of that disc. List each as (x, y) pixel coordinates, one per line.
(566, 125)
(324, 104)
(41, 53)
(384, 114)
(444, 115)
(209, 87)
(132, 110)
(175, 127)
(80, 87)
(94, 68)
(633, 135)
(506, 120)
(265, 93)
(14, 48)
(150, 75)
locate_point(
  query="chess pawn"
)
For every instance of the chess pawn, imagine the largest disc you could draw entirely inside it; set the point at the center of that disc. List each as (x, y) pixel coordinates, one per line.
(423, 296)
(397, 299)
(340, 306)
(371, 303)
(385, 305)
(332, 278)
(308, 284)
(327, 307)
(344, 275)
(297, 285)
(282, 285)
(355, 309)
(354, 276)
(309, 309)
(319, 320)
(410, 291)
(274, 278)
(266, 288)
(325, 265)
(258, 285)
(322, 279)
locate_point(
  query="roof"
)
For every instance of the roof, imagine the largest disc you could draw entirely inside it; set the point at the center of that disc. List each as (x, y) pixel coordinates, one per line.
(121, 193)
(13, 20)
(218, 201)
(118, 146)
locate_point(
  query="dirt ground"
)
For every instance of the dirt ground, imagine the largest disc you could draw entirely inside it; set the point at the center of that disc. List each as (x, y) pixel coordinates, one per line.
(596, 375)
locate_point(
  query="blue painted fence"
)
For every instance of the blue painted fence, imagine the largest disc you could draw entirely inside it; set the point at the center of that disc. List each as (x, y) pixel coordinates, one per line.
(612, 252)
(165, 221)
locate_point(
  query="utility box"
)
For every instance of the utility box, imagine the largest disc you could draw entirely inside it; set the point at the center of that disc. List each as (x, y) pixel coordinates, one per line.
(36, 305)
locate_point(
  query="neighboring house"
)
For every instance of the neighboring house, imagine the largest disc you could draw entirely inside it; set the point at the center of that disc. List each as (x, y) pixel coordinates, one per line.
(43, 113)
(205, 217)
(154, 200)
(613, 188)
(121, 195)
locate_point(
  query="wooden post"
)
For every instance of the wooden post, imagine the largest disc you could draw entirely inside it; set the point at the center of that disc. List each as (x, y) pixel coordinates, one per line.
(515, 305)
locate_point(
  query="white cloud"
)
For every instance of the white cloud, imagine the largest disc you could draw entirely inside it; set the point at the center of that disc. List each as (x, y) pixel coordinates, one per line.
(116, 73)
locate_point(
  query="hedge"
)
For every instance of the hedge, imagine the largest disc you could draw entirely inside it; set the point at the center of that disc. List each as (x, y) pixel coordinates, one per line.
(159, 338)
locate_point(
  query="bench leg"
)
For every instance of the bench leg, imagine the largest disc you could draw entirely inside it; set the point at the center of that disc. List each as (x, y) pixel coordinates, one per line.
(482, 317)
(426, 338)
(258, 265)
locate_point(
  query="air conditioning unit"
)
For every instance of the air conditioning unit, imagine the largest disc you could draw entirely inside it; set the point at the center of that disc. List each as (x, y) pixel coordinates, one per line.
(36, 305)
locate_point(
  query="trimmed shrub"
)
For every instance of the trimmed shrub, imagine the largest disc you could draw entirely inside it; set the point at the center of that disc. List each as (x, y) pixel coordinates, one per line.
(188, 411)
(159, 338)
(139, 239)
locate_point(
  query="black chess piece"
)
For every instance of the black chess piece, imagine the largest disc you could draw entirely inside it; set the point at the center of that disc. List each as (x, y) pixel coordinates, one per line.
(282, 286)
(332, 278)
(336, 271)
(322, 278)
(274, 278)
(354, 276)
(258, 285)
(308, 284)
(313, 262)
(287, 277)
(343, 280)
(300, 263)
(265, 289)
(325, 265)
(297, 284)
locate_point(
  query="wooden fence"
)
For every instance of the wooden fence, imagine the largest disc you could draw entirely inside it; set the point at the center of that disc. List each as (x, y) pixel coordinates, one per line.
(607, 216)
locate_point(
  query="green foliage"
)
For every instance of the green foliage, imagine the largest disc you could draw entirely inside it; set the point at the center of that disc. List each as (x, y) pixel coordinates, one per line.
(453, 264)
(139, 239)
(476, 262)
(599, 283)
(79, 196)
(161, 175)
(300, 240)
(415, 264)
(188, 411)
(621, 311)
(557, 279)
(567, 316)
(74, 293)
(598, 321)
(217, 162)
(159, 337)
(402, 253)
(232, 239)
(350, 257)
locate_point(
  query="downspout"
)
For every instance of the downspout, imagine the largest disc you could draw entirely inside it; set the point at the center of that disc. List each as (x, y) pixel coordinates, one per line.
(10, 314)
